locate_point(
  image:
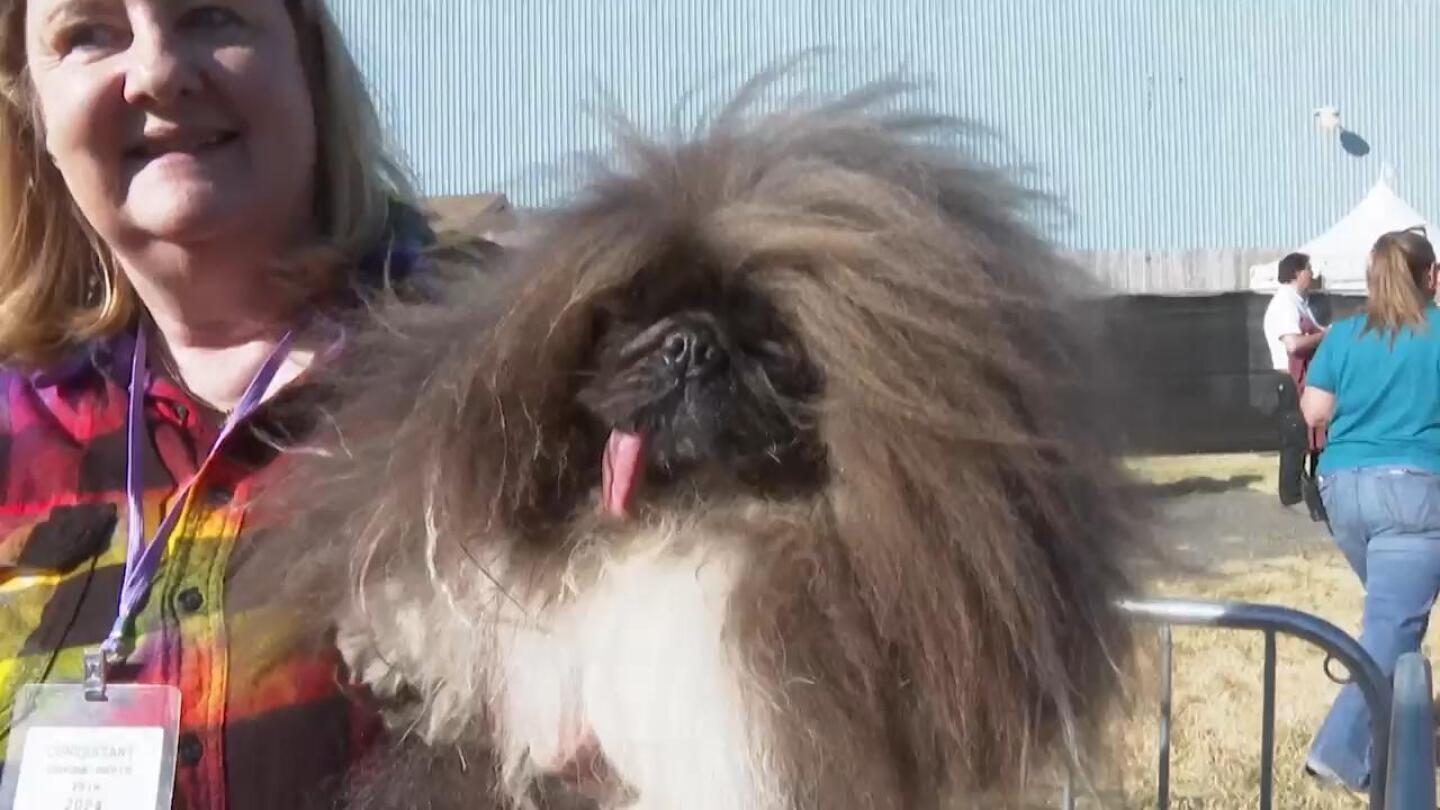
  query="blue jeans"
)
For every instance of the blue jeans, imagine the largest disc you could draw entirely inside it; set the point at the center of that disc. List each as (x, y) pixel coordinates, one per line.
(1386, 521)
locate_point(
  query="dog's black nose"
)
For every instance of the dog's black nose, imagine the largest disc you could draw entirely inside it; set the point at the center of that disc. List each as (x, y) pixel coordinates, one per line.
(691, 350)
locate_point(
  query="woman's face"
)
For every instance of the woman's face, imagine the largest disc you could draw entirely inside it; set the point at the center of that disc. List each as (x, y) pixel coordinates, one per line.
(176, 121)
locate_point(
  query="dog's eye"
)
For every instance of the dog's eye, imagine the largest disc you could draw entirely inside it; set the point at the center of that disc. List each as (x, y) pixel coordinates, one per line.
(638, 297)
(775, 351)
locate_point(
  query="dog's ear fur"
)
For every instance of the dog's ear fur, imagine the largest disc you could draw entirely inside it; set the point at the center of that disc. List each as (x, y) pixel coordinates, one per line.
(976, 501)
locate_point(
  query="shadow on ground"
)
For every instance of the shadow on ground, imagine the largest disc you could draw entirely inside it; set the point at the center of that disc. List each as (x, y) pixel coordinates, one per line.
(1197, 485)
(1199, 528)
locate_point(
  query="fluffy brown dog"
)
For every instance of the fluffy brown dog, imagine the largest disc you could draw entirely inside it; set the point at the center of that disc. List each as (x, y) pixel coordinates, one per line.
(761, 476)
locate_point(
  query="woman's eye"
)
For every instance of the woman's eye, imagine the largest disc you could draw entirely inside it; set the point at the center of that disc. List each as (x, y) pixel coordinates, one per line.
(87, 36)
(209, 17)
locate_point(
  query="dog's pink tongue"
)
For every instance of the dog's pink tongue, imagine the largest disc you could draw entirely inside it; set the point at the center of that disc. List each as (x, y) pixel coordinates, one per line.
(621, 470)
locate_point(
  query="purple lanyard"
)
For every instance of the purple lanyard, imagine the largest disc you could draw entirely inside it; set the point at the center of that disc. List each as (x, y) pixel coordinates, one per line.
(142, 559)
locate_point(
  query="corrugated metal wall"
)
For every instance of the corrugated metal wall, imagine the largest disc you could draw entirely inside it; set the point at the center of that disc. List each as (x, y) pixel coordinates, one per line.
(1168, 126)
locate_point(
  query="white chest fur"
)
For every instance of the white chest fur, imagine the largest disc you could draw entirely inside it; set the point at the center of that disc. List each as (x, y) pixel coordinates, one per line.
(640, 660)
(636, 658)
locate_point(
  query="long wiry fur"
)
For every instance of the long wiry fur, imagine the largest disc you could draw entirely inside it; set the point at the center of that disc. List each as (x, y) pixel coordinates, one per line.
(932, 623)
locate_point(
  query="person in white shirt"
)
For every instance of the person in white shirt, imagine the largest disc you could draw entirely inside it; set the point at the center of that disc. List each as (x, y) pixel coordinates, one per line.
(1286, 334)
(1292, 333)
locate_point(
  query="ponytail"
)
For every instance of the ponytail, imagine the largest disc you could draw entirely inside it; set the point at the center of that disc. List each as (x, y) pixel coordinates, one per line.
(1396, 280)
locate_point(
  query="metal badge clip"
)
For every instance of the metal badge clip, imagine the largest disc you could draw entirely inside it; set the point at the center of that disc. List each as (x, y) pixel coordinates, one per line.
(94, 663)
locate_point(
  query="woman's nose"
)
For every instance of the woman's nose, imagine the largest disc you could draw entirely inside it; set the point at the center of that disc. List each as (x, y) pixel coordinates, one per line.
(158, 70)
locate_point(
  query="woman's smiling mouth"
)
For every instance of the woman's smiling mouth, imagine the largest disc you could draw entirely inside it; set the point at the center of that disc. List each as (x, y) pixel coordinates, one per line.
(193, 143)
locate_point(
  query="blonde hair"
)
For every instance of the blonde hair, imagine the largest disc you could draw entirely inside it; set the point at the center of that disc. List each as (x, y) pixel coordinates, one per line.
(1396, 282)
(59, 283)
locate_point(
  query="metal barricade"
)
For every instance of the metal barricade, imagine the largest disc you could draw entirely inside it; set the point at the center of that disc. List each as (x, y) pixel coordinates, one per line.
(1337, 644)
(1410, 779)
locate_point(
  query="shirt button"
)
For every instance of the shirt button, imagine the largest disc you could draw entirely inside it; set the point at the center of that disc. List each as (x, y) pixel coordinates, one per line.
(189, 750)
(181, 412)
(190, 600)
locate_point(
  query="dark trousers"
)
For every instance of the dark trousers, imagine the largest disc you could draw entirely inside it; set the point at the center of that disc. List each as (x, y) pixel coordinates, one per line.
(1297, 462)
(1294, 440)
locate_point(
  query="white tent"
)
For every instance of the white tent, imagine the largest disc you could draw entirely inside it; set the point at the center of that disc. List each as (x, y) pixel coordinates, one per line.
(1340, 254)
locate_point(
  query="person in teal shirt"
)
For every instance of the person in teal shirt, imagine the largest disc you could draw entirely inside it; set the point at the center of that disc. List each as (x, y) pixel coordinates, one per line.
(1374, 385)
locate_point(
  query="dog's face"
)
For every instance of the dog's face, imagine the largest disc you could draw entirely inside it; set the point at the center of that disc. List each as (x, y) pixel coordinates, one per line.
(695, 379)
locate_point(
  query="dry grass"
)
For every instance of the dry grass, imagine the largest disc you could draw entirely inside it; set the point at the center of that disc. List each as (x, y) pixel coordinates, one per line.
(1215, 738)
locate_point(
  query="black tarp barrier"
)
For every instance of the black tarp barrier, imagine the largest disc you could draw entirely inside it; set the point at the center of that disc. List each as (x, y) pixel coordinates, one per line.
(1194, 373)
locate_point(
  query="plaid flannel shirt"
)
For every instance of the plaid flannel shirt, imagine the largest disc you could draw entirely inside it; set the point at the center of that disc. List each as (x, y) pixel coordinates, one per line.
(264, 720)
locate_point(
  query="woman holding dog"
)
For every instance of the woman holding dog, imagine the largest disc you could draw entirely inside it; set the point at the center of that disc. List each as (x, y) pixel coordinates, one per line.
(1373, 384)
(187, 188)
